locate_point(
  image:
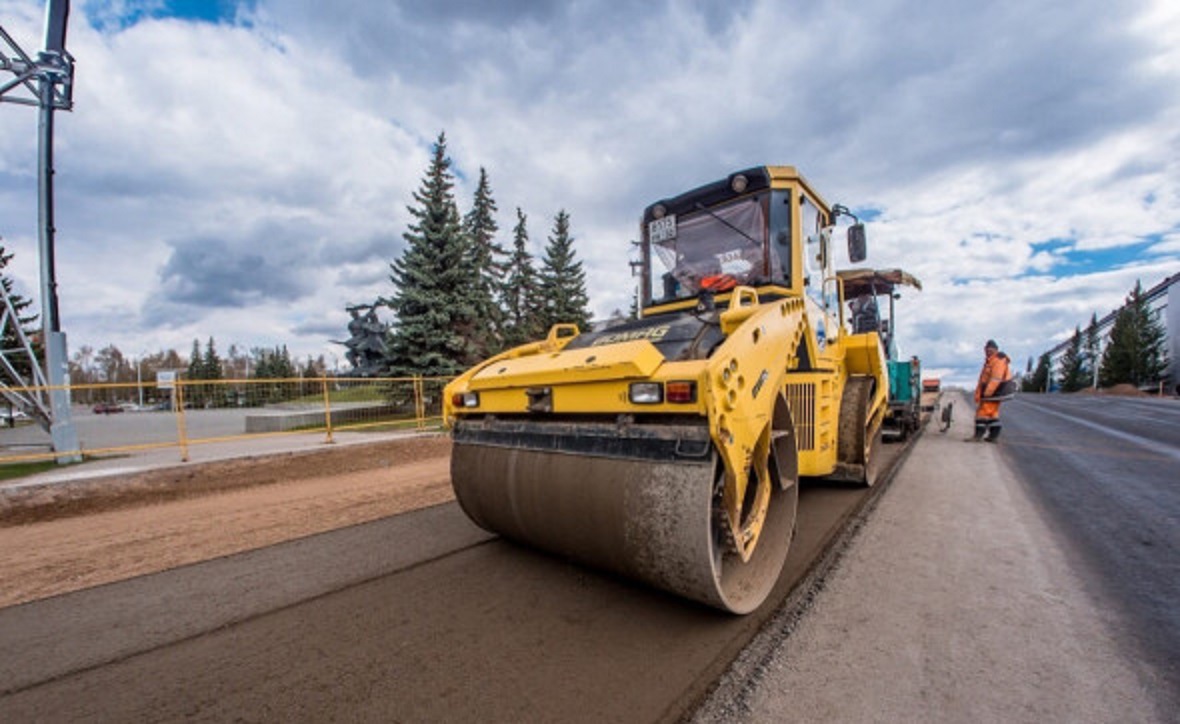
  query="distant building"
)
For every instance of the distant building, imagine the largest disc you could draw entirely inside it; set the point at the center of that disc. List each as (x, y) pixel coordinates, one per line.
(1164, 298)
(1172, 314)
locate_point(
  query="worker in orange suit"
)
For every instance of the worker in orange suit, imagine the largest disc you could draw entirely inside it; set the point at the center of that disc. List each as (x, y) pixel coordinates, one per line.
(995, 383)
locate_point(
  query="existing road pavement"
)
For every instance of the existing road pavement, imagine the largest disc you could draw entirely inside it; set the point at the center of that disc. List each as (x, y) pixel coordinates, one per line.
(1106, 473)
(962, 601)
(133, 428)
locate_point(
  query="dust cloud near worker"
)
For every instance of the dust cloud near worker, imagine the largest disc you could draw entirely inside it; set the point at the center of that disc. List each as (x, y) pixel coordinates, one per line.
(995, 386)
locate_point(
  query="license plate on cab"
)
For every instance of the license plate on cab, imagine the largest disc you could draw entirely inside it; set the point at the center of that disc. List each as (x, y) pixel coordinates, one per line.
(662, 229)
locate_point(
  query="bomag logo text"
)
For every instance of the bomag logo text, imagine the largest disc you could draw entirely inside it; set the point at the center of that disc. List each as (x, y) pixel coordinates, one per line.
(652, 333)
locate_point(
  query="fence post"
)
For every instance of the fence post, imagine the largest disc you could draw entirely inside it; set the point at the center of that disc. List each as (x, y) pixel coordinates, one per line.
(419, 403)
(181, 430)
(327, 408)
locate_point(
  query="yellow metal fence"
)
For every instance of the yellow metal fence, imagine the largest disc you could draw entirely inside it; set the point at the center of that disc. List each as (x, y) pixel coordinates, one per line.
(125, 418)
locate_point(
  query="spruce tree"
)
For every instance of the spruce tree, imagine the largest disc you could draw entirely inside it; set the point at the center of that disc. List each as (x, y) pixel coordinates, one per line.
(1135, 350)
(1038, 381)
(614, 319)
(196, 370)
(1153, 341)
(196, 394)
(436, 315)
(264, 363)
(1092, 350)
(488, 259)
(1072, 366)
(211, 362)
(1118, 358)
(11, 340)
(258, 364)
(285, 367)
(563, 282)
(271, 364)
(519, 295)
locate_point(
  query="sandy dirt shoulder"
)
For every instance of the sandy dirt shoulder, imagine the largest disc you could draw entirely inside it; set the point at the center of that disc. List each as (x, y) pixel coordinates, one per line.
(60, 538)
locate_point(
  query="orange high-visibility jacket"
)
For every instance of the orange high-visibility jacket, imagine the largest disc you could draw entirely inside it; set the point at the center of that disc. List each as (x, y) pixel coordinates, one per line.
(995, 372)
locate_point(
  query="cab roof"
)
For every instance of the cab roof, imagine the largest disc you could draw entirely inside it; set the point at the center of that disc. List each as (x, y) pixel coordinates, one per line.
(710, 194)
(875, 281)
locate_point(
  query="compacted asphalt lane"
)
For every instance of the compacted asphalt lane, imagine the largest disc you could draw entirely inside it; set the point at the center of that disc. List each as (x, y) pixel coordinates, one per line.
(1106, 471)
(416, 617)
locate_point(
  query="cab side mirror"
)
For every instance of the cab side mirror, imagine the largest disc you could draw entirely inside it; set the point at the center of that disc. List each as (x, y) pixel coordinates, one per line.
(857, 246)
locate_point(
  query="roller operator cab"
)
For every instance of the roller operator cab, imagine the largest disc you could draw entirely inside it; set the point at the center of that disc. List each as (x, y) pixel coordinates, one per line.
(669, 448)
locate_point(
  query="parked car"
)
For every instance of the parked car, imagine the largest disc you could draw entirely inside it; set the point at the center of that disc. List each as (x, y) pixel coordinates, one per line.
(107, 408)
(11, 416)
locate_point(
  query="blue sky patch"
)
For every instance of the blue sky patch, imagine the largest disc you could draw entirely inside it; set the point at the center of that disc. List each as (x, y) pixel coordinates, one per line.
(1052, 245)
(120, 16)
(1073, 262)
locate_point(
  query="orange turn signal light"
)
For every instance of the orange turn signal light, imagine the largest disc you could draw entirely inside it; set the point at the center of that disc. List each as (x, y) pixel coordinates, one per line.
(465, 399)
(682, 392)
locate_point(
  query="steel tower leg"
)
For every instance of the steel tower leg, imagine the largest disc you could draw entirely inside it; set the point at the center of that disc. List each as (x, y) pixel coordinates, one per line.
(64, 437)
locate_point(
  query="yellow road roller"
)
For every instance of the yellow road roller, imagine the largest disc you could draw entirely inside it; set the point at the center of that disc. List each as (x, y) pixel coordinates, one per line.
(669, 448)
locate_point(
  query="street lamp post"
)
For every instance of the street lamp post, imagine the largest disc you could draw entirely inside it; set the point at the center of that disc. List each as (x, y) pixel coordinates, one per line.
(139, 378)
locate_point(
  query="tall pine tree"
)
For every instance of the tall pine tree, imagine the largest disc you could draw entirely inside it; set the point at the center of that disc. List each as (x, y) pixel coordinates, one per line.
(563, 282)
(1135, 351)
(195, 393)
(196, 368)
(211, 362)
(272, 364)
(437, 315)
(1092, 349)
(519, 296)
(488, 259)
(1038, 381)
(1072, 366)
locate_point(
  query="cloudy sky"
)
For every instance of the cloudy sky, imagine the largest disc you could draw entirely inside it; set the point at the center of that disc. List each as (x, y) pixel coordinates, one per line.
(241, 169)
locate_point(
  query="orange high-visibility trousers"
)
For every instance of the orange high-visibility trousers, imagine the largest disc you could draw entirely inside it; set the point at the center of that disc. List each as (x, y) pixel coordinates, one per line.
(987, 412)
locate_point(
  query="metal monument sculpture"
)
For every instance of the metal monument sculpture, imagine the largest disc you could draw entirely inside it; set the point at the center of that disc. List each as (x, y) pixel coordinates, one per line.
(366, 343)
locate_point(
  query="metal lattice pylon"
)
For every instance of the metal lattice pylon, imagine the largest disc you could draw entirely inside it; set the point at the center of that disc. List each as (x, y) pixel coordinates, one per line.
(29, 394)
(45, 82)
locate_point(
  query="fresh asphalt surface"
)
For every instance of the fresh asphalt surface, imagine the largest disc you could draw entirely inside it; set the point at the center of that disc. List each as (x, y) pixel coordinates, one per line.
(1106, 472)
(415, 617)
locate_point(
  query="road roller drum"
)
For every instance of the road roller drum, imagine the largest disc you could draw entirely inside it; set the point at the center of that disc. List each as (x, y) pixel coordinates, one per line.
(653, 520)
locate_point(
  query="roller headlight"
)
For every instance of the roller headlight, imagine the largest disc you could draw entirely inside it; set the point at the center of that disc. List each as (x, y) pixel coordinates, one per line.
(646, 393)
